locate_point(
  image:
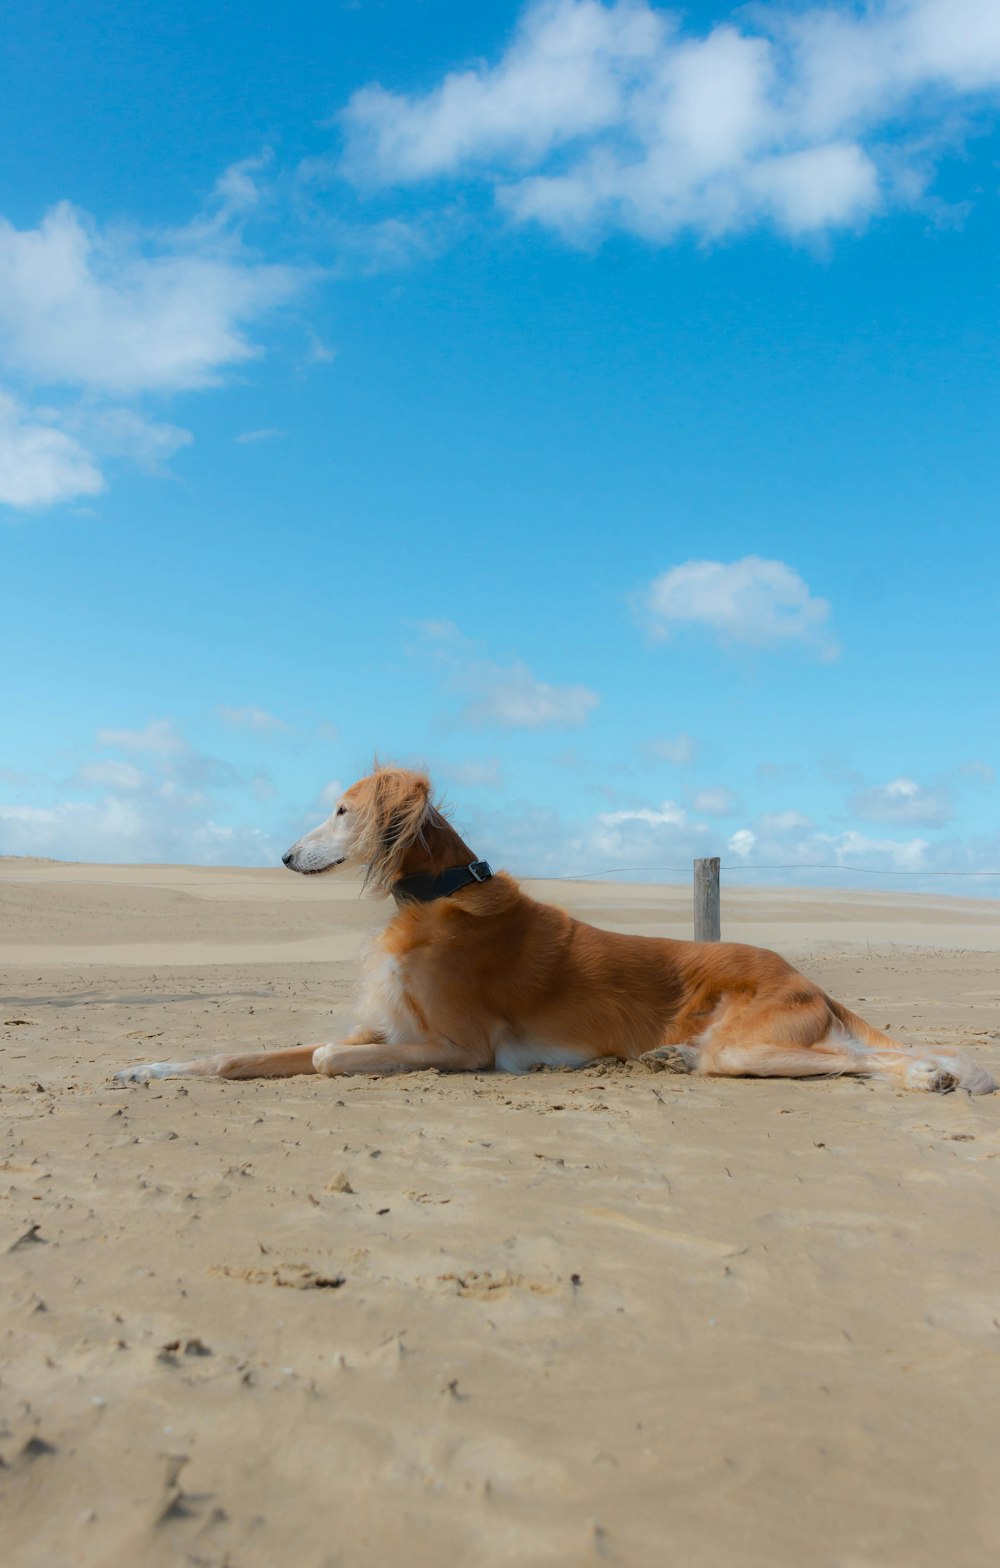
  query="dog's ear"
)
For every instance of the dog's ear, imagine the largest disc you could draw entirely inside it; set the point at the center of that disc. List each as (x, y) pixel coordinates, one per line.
(399, 807)
(402, 809)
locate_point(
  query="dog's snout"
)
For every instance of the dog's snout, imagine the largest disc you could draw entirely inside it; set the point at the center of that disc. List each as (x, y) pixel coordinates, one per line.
(286, 860)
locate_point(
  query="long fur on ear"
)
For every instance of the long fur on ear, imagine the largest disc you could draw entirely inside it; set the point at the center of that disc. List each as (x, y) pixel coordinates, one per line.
(395, 804)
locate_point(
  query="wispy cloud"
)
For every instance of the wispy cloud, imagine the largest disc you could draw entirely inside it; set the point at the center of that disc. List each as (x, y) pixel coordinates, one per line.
(902, 800)
(679, 750)
(179, 765)
(716, 802)
(160, 799)
(978, 773)
(504, 696)
(755, 602)
(668, 814)
(251, 437)
(599, 116)
(251, 718)
(472, 775)
(159, 737)
(512, 697)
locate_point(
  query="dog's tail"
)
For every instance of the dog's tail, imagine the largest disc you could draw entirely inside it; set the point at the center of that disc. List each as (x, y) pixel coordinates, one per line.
(919, 1070)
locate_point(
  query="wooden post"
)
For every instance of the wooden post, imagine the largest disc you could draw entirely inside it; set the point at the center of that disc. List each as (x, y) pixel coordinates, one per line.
(707, 909)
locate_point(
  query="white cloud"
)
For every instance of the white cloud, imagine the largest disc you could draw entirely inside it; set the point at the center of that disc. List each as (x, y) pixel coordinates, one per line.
(718, 802)
(660, 843)
(742, 843)
(251, 718)
(166, 810)
(680, 750)
(121, 314)
(40, 464)
(783, 846)
(761, 603)
(790, 842)
(902, 800)
(51, 455)
(612, 115)
(669, 814)
(104, 317)
(159, 799)
(562, 77)
(132, 829)
(887, 853)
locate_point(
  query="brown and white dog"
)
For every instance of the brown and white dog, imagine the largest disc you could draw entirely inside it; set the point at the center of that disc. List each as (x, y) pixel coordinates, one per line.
(472, 974)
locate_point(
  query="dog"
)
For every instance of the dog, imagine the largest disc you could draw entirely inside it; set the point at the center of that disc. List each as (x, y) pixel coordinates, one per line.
(471, 974)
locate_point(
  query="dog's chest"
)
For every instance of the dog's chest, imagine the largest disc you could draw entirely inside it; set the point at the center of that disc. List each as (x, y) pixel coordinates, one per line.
(388, 1001)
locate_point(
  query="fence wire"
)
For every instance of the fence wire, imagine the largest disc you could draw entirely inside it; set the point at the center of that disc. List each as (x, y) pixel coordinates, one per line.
(870, 871)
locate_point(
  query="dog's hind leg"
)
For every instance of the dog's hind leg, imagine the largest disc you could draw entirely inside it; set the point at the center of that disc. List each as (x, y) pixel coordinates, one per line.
(802, 1034)
(905, 1069)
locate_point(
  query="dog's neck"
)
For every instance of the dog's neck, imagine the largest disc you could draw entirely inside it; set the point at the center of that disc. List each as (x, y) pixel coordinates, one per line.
(440, 850)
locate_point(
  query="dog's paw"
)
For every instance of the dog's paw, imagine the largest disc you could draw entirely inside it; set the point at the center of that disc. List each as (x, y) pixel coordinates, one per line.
(931, 1076)
(148, 1071)
(670, 1059)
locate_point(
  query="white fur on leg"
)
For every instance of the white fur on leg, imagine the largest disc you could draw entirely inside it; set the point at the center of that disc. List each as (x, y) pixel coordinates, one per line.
(149, 1070)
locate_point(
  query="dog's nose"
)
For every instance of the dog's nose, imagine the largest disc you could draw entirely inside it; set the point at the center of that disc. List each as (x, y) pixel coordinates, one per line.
(286, 860)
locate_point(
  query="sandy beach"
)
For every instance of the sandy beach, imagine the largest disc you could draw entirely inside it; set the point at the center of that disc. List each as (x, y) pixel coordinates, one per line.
(565, 1318)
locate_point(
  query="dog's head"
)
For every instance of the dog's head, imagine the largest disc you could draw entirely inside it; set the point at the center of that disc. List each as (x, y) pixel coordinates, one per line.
(373, 824)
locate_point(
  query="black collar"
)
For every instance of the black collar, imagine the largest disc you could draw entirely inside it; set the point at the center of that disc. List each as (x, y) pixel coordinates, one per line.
(424, 889)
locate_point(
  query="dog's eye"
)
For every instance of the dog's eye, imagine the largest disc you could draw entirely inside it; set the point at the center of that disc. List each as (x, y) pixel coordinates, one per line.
(341, 811)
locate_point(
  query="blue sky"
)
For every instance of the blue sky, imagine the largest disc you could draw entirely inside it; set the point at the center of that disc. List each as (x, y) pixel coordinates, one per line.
(596, 402)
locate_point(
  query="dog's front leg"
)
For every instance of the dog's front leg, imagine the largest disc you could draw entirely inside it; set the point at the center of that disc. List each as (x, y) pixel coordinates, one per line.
(251, 1064)
(379, 1056)
(286, 1063)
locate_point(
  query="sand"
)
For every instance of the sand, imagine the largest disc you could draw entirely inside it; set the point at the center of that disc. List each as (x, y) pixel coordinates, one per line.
(602, 1317)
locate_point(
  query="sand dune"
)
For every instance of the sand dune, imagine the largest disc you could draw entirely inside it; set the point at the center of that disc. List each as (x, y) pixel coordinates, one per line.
(560, 1319)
